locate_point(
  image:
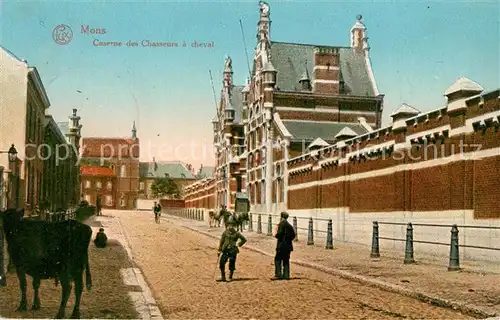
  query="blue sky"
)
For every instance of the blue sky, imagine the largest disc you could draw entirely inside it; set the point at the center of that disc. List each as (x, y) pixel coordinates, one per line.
(418, 49)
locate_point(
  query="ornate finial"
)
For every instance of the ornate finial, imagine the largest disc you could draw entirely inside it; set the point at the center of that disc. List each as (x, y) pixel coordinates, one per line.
(74, 112)
(264, 8)
(228, 64)
(359, 17)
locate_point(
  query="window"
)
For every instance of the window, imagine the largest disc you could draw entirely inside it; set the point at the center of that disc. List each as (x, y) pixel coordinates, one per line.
(109, 185)
(109, 200)
(87, 184)
(263, 191)
(98, 185)
(123, 171)
(87, 198)
(141, 185)
(238, 183)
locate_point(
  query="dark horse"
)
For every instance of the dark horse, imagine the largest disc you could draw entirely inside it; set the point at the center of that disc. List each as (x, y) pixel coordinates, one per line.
(241, 218)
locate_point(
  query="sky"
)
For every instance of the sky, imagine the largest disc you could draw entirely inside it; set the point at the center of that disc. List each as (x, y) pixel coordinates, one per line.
(418, 49)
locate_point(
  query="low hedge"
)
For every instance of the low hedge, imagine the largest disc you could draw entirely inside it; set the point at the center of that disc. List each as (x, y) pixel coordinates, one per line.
(82, 213)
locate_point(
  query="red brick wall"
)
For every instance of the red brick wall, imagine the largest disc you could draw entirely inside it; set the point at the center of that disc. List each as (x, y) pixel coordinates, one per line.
(171, 203)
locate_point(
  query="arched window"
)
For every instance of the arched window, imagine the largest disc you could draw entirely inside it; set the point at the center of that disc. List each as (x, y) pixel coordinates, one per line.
(123, 170)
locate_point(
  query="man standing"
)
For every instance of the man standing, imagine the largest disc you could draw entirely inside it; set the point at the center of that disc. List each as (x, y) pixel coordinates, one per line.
(284, 247)
(229, 249)
(98, 205)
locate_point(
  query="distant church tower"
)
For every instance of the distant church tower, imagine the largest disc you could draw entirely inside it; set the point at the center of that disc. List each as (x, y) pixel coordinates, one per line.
(134, 131)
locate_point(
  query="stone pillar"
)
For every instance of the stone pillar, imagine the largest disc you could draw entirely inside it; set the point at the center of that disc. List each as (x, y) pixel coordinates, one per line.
(269, 168)
(286, 144)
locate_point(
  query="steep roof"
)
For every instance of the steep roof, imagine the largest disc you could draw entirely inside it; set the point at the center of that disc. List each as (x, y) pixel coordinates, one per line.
(289, 60)
(96, 171)
(205, 172)
(110, 147)
(463, 84)
(236, 102)
(158, 169)
(405, 109)
(309, 131)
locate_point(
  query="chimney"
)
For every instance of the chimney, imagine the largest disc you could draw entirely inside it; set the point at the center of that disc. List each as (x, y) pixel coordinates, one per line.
(326, 70)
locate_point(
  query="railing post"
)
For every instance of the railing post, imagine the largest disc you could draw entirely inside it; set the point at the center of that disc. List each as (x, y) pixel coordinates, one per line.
(295, 229)
(310, 235)
(454, 250)
(259, 224)
(270, 225)
(329, 235)
(375, 245)
(409, 245)
(250, 222)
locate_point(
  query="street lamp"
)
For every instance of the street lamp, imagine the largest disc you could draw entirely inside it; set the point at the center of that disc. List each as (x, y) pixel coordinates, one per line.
(3, 281)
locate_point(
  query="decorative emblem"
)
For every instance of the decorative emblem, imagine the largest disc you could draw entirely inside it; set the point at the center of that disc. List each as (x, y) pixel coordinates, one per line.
(62, 34)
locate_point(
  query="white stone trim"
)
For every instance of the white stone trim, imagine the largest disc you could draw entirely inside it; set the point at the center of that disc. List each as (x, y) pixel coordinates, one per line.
(367, 150)
(329, 160)
(326, 68)
(281, 126)
(327, 110)
(301, 168)
(422, 134)
(325, 81)
(475, 155)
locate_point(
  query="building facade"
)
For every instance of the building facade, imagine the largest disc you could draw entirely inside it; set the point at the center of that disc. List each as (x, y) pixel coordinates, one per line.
(99, 181)
(121, 156)
(61, 179)
(300, 97)
(24, 103)
(176, 170)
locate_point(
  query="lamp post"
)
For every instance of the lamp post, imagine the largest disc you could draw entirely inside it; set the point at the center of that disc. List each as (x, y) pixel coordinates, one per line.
(12, 160)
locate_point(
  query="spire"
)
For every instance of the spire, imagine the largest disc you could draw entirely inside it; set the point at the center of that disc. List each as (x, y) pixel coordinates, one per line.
(305, 80)
(263, 26)
(134, 131)
(228, 72)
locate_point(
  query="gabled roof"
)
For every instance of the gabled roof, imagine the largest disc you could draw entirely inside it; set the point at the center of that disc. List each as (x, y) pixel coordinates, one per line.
(405, 109)
(158, 169)
(463, 84)
(96, 171)
(289, 58)
(346, 132)
(309, 131)
(318, 143)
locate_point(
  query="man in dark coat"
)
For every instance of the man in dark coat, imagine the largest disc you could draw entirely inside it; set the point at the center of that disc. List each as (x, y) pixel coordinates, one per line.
(284, 247)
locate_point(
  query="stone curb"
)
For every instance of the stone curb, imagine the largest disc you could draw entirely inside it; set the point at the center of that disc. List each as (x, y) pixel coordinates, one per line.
(422, 296)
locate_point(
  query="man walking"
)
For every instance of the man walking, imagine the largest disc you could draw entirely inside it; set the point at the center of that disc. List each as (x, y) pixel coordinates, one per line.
(157, 212)
(284, 247)
(229, 249)
(98, 205)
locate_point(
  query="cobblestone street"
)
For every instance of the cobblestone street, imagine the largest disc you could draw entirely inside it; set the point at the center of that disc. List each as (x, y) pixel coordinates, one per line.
(179, 266)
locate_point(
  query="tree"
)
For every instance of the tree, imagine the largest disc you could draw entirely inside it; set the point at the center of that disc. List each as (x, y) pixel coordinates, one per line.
(164, 186)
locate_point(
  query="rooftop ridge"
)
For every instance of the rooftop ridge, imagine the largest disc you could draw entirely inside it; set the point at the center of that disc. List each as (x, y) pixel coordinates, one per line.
(310, 45)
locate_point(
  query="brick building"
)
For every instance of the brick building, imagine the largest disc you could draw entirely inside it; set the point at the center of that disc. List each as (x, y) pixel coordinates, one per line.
(61, 173)
(300, 97)
(99, 181)
(121, 157)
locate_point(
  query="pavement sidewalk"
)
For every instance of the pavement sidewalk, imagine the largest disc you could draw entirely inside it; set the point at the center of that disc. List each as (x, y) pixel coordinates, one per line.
(474, 290)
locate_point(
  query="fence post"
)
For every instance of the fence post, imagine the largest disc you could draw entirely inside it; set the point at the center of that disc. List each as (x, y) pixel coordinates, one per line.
(454, 250)
(409, 245)
(259, 224)
(295, 229)
(250, 222)
(310, 236)
(375, 247)
(329, 235)
(270, 225)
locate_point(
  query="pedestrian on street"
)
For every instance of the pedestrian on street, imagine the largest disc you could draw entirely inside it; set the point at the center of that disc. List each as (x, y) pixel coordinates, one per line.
(284, 247)
(229, 249)
(98, 205)
(157, 212)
